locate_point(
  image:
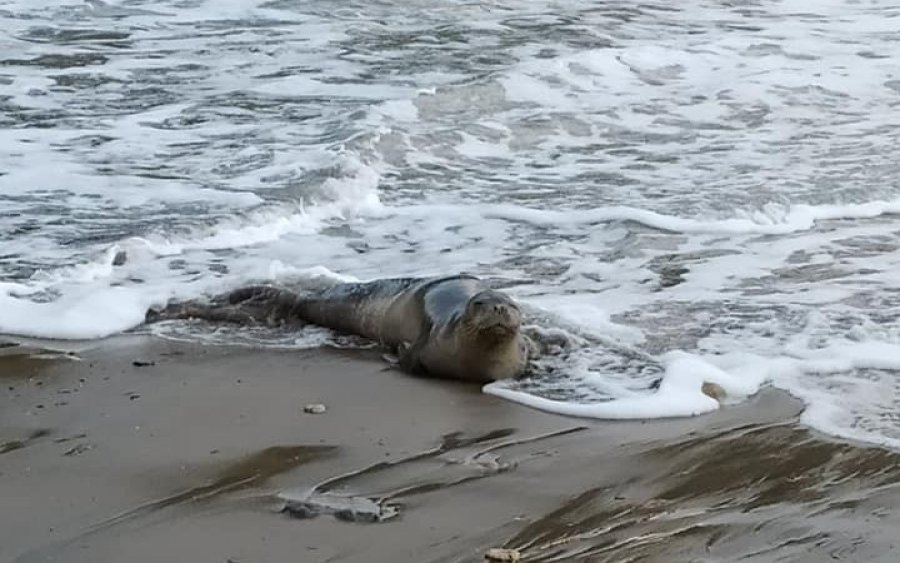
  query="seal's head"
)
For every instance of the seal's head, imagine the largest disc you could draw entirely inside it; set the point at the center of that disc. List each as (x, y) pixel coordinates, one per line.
(491, 314)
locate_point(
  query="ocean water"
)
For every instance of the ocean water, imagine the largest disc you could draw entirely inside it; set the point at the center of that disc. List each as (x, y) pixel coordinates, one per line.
(697, 191)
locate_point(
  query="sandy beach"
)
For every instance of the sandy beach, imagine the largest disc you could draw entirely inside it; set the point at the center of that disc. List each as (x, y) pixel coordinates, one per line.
(138, 449)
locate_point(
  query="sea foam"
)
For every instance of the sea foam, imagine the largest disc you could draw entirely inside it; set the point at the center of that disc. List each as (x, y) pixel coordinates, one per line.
(679, 393)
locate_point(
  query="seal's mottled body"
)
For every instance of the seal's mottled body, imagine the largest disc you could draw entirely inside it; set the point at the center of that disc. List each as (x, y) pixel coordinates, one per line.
(453, 327)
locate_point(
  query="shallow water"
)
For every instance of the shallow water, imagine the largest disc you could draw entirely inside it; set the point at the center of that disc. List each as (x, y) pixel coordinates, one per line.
(717, 179)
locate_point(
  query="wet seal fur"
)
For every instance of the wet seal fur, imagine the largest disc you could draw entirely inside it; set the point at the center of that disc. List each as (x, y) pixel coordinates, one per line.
(451, 327)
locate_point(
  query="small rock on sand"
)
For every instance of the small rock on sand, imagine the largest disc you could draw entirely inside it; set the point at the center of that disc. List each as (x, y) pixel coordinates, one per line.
(314, 408)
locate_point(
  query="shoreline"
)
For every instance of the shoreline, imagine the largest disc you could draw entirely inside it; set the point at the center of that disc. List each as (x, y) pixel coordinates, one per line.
(191, 453)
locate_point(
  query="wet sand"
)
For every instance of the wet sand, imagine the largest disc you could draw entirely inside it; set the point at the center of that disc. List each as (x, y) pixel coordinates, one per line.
(192, 453)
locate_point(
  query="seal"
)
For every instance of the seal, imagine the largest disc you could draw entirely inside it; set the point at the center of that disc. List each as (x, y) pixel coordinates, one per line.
(453, 327)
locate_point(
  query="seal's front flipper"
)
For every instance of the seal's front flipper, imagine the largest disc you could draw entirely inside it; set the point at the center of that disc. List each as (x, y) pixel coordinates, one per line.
(398, 357)
(409, 355)
(392, 359)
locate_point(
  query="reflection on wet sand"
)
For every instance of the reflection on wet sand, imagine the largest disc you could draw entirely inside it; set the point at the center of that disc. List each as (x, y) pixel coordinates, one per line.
(247, 472)
(367, 495)
(780, 485)
(370, 494)
(17, 362)
(13, 445)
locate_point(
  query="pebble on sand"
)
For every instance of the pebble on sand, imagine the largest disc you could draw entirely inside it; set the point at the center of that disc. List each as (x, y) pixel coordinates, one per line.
(315, 408)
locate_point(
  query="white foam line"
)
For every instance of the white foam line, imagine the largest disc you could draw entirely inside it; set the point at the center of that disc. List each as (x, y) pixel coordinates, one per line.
(264, 226)
(657, 405)
(679, 394)
(851, 356)
(797, 218)
(355, 195)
